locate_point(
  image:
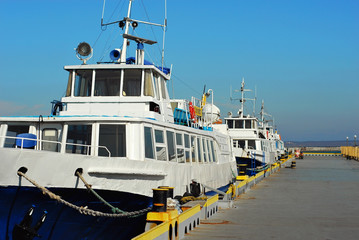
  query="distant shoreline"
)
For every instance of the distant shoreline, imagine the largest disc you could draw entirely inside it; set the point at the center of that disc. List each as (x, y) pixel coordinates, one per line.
(319, 143)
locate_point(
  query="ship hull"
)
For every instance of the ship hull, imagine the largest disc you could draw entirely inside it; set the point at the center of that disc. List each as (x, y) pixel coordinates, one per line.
(63, 222)
(114, 179)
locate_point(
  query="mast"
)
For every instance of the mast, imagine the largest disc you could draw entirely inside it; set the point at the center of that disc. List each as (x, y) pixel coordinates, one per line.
(124, 45)
(242, 99)
(262, 112)
(164, 34)
(126, 37)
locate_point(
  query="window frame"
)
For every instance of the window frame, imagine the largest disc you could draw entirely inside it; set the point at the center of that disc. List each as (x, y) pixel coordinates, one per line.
(152, 141)
(98, 138)
(171, 131)
(160, 144)
(123, 82)
(180, 147)
(74, 82)
(95, 82)
(199, 149)
(90, 152)
(187, 149)
(194, 151)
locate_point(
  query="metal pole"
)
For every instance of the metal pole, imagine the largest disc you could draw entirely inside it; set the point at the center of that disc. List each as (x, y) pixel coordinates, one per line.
(347, 141)
(355, 140)
(124, 45)
(210, 90)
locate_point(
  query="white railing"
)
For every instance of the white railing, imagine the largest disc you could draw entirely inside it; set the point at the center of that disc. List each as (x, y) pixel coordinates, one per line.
(54, 142)
(88, 147)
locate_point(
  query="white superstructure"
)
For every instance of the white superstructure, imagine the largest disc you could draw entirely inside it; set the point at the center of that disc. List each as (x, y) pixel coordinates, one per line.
(117, 124)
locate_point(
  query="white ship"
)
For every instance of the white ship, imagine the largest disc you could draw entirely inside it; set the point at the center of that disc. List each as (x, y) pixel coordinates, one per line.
(255, 143)
(119, 130)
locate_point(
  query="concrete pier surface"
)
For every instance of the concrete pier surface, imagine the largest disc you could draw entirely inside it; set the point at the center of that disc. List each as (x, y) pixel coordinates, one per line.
(319, 199)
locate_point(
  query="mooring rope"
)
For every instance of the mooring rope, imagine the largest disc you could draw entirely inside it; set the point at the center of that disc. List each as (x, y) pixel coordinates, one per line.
(89, 187)
(82, 210)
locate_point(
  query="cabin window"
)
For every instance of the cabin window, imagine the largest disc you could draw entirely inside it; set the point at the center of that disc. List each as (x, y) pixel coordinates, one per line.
(251, 144)
(113, 137)
(155, 80)
(193, 148)
(79, 139)
(13, 131)
(239, 124)
(148, 143)
(148, 90)
(83, 83)
(107, 83)
(50, 134)
(159, 136)
(187, 148)
(163, 88)
(248, 124)
(180, 148)
(199, 150)
(210, 157)
(171, 146)
(213, 152)
(230, 123)
(204, 146)
(160, 146)
(132, 82)
(241, 143)
(69, 85)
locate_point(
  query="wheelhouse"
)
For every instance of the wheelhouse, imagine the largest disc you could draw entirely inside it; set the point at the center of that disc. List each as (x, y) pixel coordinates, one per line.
(116, 89)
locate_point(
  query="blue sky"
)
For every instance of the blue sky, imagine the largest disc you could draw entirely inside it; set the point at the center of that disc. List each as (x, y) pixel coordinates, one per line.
(301, 56)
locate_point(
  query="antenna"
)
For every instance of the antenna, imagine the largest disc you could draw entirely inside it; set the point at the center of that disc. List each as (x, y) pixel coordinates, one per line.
(164, 33)
(242, 99)
(254, 100)
(125, 23)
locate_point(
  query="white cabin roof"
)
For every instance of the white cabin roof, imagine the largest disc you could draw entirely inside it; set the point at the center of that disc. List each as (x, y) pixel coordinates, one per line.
(116, 66)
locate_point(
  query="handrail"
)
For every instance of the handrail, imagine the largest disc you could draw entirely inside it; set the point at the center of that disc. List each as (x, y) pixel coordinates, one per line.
(30, 139)
(56, 142)
(89, 146)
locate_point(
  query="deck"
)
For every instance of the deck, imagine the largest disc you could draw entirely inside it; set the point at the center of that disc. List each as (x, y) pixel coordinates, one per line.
(319, 199)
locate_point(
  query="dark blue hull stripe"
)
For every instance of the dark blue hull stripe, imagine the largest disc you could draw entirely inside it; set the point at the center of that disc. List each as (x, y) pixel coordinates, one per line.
(63, 222)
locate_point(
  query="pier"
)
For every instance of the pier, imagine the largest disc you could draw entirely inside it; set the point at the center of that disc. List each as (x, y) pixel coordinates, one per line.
(319, 199)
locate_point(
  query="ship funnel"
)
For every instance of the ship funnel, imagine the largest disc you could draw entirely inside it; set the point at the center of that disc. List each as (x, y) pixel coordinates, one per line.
(115, 54)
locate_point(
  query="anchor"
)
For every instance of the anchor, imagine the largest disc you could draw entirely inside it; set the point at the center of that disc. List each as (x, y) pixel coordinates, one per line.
(24, 231)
